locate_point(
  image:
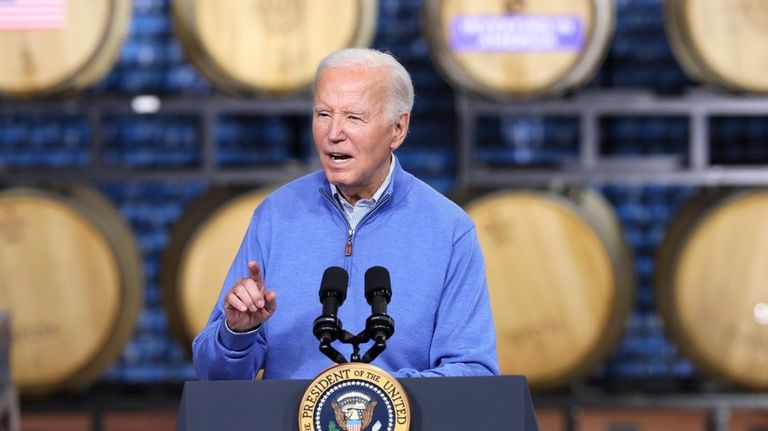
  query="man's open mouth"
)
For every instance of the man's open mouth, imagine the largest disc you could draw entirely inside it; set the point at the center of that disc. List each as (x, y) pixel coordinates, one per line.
(338, 157)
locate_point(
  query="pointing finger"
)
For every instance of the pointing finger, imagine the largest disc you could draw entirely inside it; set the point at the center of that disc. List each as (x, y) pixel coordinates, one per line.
(254, 292)
(254, 272)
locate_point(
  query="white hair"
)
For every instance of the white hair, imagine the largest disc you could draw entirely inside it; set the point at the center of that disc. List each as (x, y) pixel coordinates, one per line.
(400, 89)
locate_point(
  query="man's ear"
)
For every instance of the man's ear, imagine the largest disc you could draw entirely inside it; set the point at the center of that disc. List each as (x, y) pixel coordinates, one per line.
(400, 130)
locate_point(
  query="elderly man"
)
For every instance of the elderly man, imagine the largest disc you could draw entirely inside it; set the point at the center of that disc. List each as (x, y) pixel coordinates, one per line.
(361, 210)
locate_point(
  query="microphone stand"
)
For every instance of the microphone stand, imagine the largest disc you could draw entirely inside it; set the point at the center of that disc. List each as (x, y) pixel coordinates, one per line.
(361, 338)
(330, 352)
(355, 340)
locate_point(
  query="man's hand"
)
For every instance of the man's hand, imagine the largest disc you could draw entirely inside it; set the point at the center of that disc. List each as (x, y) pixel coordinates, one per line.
(248, 304)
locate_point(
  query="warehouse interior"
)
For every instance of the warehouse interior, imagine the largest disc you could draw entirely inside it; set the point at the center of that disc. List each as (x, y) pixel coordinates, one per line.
(616, 177)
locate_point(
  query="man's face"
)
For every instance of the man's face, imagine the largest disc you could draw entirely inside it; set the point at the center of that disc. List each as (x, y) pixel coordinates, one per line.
(353, 134)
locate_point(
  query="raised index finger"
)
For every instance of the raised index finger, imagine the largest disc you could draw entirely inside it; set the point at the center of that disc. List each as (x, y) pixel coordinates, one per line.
(254, 272)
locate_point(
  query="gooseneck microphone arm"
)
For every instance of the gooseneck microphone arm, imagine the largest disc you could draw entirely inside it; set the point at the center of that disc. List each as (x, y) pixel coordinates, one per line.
(327, 327)
(332, 354)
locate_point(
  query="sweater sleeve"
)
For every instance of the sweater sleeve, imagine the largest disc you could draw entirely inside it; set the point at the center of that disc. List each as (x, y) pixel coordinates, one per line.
(217, 352)
(464, 340)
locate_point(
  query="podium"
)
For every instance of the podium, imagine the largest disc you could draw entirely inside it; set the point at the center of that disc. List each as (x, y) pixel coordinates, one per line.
(437, 404)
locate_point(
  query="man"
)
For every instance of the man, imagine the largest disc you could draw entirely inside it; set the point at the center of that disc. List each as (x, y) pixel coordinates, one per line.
(361, 210)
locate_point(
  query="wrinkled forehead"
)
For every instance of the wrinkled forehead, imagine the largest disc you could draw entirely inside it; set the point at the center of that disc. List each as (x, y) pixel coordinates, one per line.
(352, 84)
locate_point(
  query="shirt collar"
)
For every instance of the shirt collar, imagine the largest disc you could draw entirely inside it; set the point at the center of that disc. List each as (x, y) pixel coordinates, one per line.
(379, 192)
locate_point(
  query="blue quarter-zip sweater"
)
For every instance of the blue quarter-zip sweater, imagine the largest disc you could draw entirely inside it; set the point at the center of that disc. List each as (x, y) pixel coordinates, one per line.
(443, 321)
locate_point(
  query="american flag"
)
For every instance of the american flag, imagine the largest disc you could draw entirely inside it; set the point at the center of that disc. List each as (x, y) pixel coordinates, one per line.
(32, 14)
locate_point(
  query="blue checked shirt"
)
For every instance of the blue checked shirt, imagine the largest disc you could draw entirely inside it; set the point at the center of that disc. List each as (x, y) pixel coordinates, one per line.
(355, 213)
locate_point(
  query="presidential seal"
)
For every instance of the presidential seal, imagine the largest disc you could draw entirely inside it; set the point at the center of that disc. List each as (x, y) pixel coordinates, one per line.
(354, 397)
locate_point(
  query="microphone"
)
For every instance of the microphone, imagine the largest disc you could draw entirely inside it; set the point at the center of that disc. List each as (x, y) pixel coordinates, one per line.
(333, 292)
(378, 291)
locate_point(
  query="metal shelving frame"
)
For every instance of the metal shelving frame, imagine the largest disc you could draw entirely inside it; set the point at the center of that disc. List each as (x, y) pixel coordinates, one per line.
(208, 110)
(589, 107)
(9, 398)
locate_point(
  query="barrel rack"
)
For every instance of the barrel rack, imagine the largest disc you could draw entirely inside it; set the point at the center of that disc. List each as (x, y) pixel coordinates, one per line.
(207, 110)
(588, 107)
(9, 400)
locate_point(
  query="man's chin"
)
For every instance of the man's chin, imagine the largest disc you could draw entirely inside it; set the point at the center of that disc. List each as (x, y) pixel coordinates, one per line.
(336, 176)
(343, 185)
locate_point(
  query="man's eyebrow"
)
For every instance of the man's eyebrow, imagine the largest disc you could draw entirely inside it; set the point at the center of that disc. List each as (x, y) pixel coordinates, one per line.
(323, 108)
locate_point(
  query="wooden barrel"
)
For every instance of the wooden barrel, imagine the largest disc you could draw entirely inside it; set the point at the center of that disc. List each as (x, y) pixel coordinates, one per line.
(711, 284)
(70, 274)
(518, 49)
(269, 46)
(202, 247)
(54, 49)
(560, 279)
(722, 43)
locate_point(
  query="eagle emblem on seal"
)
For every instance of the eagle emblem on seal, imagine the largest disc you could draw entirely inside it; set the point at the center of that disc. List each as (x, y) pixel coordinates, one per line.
(353, 410)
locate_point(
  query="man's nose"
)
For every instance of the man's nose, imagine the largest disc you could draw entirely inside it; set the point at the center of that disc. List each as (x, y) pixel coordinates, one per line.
(336, 131)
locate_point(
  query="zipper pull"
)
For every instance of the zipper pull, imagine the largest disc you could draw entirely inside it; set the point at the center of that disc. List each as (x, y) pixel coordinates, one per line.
(348, 247)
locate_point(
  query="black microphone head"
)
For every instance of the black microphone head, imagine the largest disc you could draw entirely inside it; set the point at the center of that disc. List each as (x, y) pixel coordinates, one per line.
(377, 283)
(335, 281)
